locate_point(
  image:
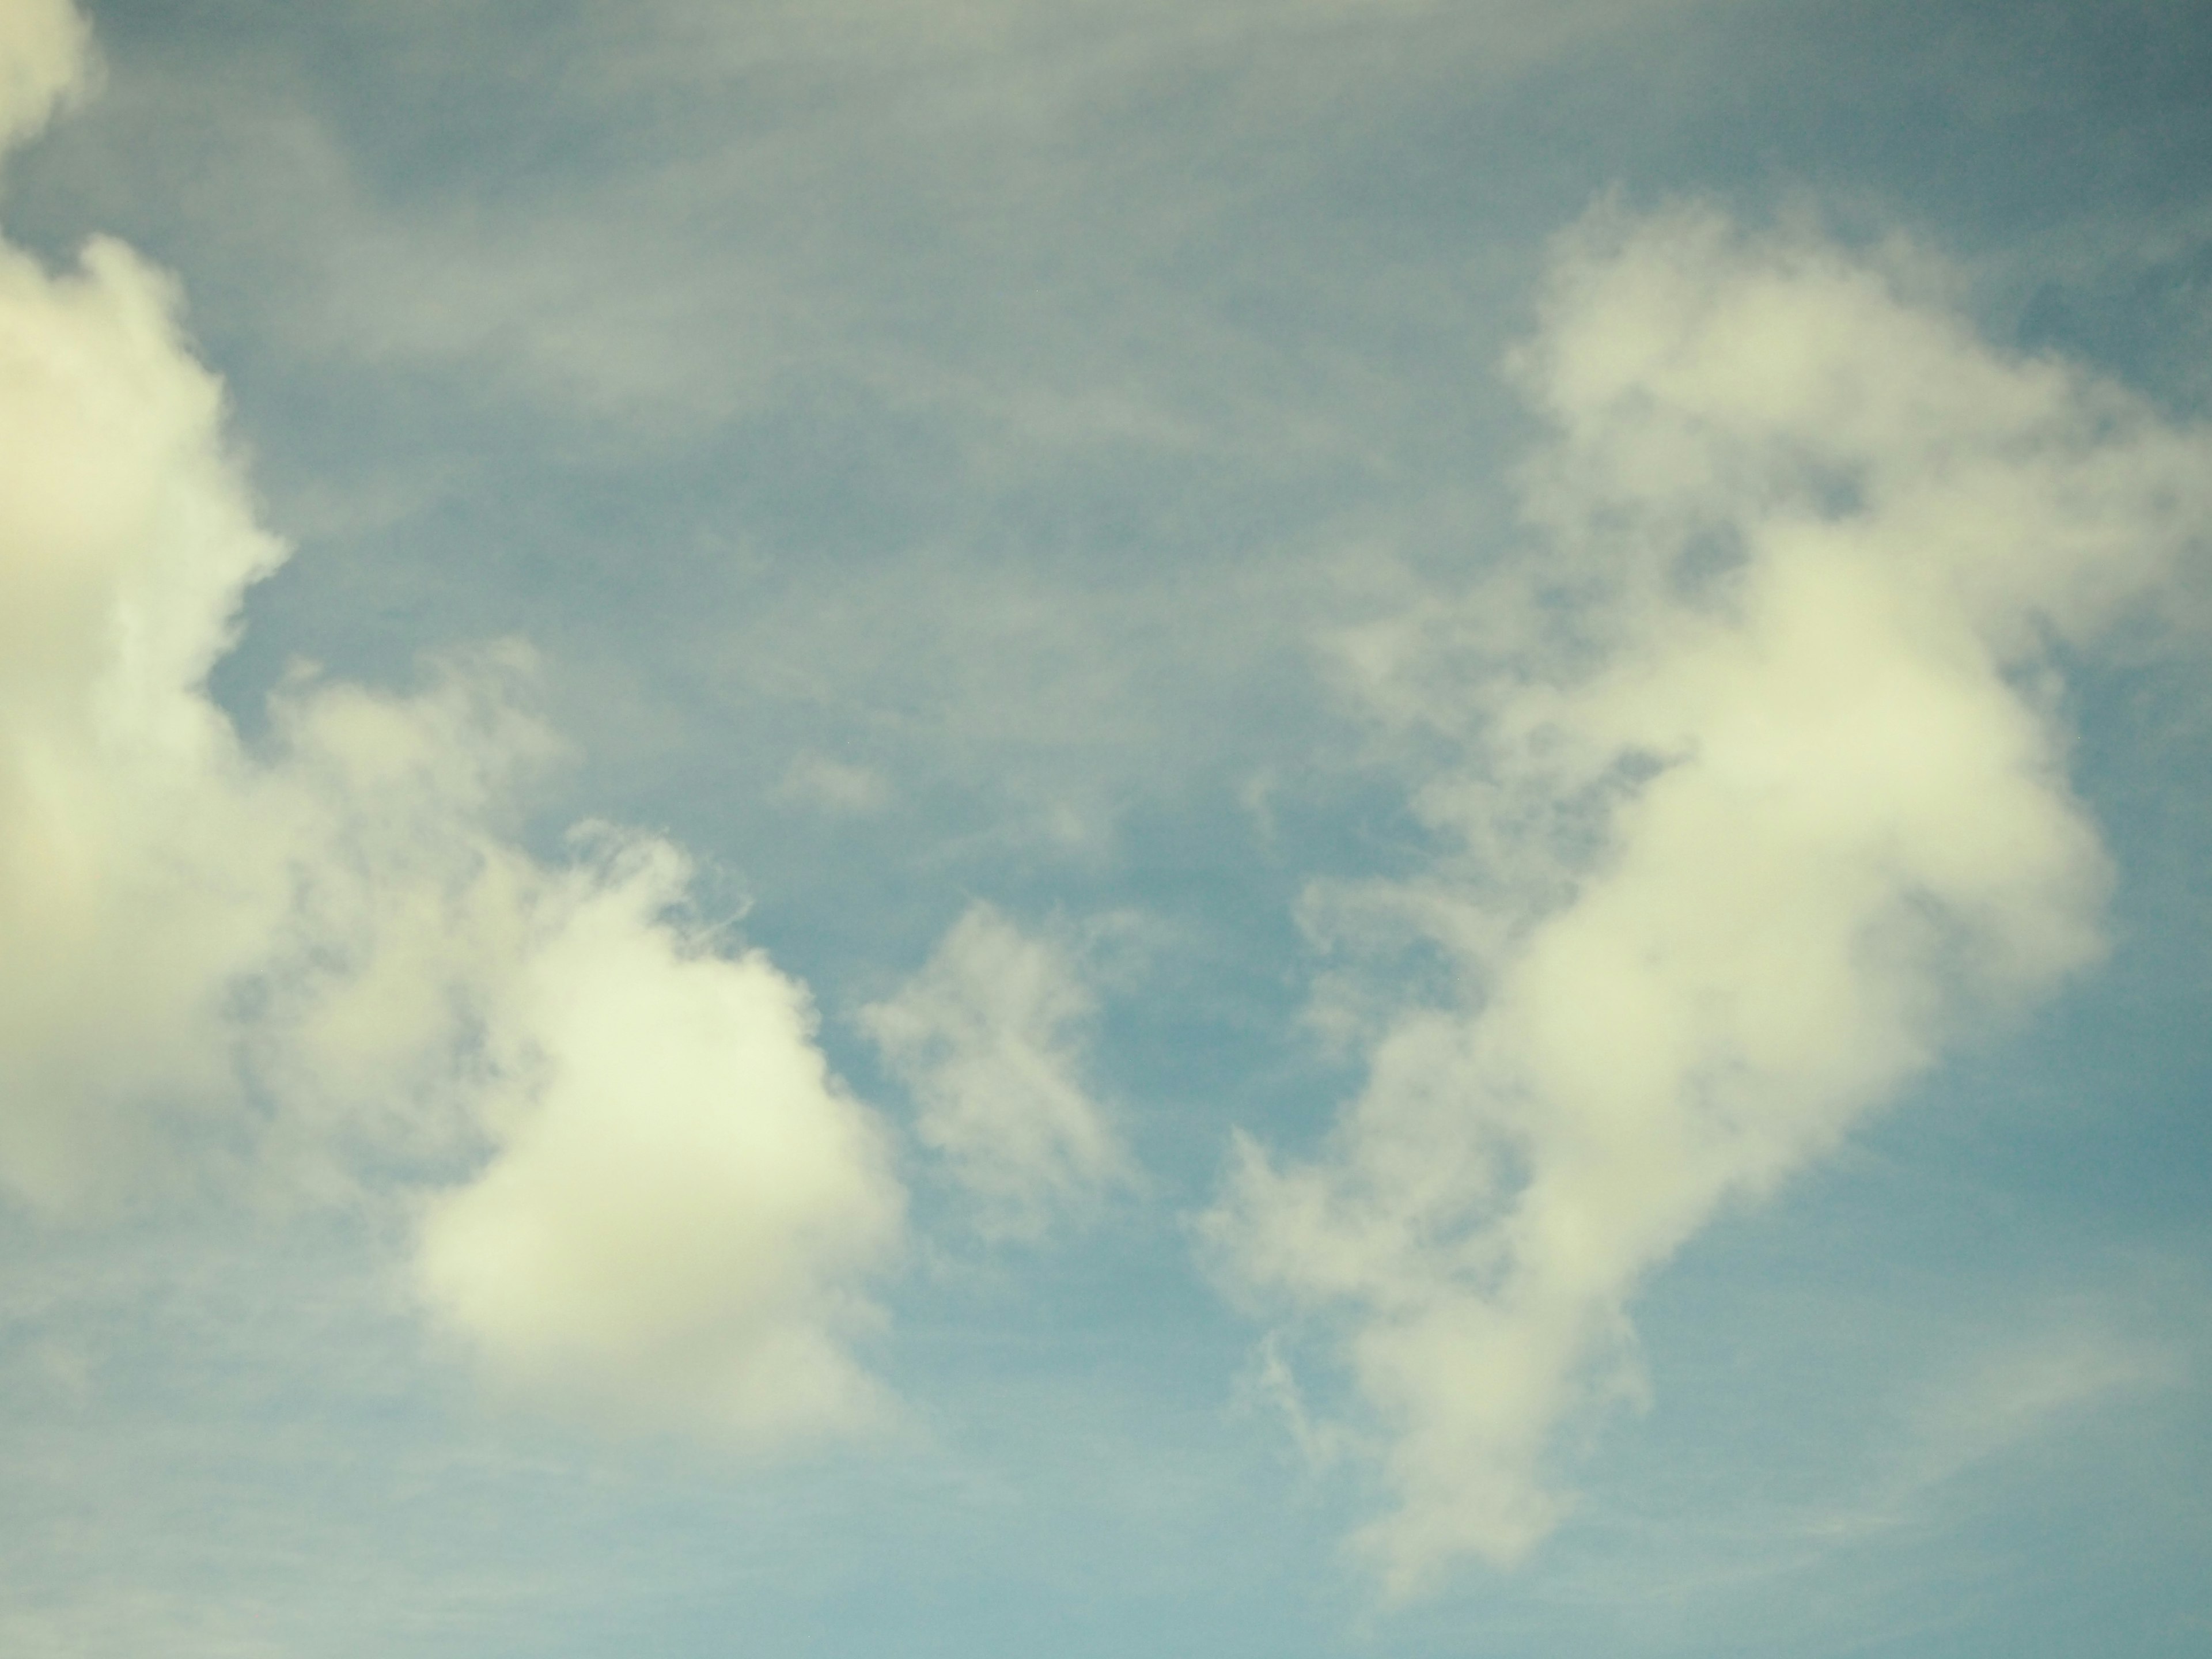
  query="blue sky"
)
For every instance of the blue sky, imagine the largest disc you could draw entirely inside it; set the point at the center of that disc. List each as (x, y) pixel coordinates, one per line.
(1315, 829)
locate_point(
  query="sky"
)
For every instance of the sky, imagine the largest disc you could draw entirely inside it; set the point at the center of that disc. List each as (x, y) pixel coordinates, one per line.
(1303, 829)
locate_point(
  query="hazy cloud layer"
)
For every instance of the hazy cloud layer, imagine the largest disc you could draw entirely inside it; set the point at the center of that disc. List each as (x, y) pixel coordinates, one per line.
(988, 1036)
(1757, 791)
(331, 964)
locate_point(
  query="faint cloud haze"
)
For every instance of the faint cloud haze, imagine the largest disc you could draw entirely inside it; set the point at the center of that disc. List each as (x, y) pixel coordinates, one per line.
(331, 962)
(834, 786)
(988, 1037)
(2027, 1390)
(1760, 794)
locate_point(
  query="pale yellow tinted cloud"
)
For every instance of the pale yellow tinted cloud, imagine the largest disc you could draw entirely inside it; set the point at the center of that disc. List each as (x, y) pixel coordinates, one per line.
(45, 59)
(125, 893)
(684, 1199)
(330, 967)
(1762, 795)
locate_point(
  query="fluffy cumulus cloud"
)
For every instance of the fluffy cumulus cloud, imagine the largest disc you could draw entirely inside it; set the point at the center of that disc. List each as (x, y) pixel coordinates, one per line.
(328, 965)
(988, 1037)
(684, 1202)
(1753, 795)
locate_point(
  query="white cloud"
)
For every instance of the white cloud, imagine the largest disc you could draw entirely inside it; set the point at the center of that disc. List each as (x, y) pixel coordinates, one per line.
(130, 890)
(684, 1201)
(988, 1036)
(334, 965)
(45, 59)
(1761, 792)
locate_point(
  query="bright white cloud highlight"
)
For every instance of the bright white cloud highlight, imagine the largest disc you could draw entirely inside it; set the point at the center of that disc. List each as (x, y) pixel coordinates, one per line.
(685, 1200)
(333, 963)
(1760, 793)
(988, 1037)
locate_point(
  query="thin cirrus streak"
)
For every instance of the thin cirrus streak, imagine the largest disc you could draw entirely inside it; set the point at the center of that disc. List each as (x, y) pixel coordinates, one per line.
(1759, 794)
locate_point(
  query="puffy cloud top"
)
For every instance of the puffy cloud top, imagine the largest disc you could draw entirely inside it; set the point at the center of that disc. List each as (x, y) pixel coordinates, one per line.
(331, 968)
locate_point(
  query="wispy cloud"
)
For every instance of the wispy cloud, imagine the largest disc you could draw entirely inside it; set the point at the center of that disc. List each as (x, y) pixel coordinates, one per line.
(1759, 793)
(2009, 1398)
(988, 1037)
